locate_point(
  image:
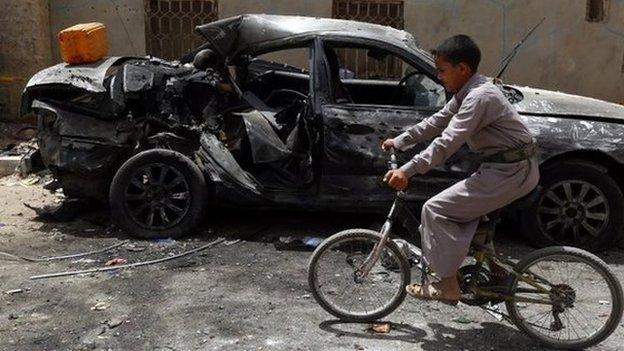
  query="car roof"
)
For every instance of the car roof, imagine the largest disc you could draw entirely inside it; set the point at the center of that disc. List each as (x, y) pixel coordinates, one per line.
(234, 35)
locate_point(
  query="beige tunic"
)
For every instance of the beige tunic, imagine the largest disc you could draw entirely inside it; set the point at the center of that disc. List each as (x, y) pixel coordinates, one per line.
(482, 117)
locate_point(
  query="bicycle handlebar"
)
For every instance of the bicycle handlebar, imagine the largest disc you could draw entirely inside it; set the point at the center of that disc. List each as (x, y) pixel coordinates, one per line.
(393, 160)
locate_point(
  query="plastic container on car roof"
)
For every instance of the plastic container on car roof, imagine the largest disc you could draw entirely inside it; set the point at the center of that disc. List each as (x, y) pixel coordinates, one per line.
(83, 43)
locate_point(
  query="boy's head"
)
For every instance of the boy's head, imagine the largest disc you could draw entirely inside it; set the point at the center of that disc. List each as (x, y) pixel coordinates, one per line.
(456, 59)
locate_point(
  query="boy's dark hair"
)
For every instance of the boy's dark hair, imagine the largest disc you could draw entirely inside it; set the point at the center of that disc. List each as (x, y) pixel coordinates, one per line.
(459, 48)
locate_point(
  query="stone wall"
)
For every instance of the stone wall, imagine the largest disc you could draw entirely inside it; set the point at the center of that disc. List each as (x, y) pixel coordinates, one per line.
(25, 48)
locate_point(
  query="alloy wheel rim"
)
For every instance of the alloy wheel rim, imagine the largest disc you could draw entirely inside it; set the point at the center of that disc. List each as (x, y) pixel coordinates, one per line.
(573, 211)
(157, 197)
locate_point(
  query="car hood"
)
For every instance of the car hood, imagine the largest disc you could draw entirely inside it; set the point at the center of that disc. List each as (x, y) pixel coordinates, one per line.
(554, 103)
(85, 76)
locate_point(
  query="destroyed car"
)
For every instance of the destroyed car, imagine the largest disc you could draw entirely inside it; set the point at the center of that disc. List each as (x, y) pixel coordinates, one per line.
(160, 140)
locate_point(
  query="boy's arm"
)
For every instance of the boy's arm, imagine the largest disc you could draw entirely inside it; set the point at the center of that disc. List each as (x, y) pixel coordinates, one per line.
(428, 128)
(459, 129)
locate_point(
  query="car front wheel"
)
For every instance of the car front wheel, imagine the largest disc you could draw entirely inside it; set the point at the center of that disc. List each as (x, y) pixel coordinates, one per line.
(579, 205)
(158, 193)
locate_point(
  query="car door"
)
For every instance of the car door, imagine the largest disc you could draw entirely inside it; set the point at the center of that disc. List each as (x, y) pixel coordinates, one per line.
(353, 162)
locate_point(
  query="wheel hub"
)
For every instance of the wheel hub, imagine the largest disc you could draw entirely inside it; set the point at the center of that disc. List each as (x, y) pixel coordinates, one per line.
(563, 296)
(158, 196)
(156, 193)
(573, 211)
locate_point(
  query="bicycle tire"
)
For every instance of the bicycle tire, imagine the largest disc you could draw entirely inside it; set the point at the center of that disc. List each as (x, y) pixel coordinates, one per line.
(349, 235)
(588, 258)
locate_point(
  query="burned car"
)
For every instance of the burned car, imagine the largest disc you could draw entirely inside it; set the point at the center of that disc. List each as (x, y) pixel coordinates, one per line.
(159, 140)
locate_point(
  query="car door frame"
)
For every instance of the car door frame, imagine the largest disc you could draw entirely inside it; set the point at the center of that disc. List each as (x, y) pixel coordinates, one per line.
(344, 187)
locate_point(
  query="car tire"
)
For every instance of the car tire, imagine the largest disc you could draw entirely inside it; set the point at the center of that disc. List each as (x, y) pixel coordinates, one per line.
(158, 194)
(580, 205)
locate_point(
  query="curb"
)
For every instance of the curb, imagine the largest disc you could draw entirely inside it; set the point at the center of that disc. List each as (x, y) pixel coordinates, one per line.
(8, 164)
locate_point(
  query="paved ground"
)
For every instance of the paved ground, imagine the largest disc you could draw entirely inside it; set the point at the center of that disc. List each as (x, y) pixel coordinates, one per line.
(247, 296)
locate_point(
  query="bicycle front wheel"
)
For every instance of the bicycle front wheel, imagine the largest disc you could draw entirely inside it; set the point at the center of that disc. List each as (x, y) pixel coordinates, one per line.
(568, 299)
(336, 287)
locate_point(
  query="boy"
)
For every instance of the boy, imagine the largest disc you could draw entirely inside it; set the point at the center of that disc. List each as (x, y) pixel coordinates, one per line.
(479, 115)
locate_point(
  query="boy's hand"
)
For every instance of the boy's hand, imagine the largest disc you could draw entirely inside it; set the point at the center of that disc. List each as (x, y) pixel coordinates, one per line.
(387, 144)
(396, 179)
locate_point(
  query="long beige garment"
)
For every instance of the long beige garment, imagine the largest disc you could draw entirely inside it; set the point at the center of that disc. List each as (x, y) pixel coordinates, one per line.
(480, 116)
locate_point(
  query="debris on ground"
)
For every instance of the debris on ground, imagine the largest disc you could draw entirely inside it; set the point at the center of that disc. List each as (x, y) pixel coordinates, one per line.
(31, 180)
(53, 258)
(135, 248)
(14, 291)
(67, 210)
(164, 242)
(113, 322)
(380, 328)
(463, 320)
(27, 153)
(306, 243)
(136, 264)
(116, 261)
(100, 306)
(84, 260)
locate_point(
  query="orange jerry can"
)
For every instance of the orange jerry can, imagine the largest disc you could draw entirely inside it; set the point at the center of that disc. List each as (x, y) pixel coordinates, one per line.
(83, 43)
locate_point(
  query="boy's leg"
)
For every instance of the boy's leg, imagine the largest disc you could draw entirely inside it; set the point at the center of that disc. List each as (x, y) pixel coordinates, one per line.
(450, 218)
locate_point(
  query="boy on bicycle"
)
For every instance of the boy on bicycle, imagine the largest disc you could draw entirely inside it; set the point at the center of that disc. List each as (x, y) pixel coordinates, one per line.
(480, 116)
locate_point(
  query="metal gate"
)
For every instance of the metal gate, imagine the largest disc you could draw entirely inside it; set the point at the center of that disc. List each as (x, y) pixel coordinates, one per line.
(384, 12)
(170, 25)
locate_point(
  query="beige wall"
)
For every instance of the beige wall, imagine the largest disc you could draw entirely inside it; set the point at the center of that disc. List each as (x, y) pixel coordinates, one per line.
(566, 53)
(318, 8)
(25, 49)
(124, 20)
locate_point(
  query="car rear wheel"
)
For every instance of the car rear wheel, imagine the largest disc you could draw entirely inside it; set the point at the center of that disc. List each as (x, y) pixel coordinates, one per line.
(158, 193)
(579, 205)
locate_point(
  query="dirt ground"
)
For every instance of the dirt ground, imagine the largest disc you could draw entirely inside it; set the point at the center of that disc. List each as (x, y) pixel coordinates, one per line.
(246, 296)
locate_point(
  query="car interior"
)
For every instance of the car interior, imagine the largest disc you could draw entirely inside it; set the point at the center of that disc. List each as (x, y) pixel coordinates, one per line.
(373, 76)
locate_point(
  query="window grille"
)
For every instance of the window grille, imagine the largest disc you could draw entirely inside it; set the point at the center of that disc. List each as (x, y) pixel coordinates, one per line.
(170, 25)
(384, 12)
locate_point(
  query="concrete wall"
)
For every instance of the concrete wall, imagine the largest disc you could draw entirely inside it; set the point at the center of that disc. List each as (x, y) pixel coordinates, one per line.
(124, 20)
(566, 53)
(318, 8)
(25, 49)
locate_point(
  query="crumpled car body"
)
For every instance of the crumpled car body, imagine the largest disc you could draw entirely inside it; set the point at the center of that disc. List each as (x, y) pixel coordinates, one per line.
(279, 136)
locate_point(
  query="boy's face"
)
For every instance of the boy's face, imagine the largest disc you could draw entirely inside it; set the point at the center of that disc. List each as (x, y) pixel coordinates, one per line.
(453, 76)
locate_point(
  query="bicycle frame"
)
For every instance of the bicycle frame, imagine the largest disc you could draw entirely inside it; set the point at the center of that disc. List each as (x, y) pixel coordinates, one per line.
(400, 211)
(482, 255)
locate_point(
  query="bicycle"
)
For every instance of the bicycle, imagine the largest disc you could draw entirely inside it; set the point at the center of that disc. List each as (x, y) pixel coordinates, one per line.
(362, 258)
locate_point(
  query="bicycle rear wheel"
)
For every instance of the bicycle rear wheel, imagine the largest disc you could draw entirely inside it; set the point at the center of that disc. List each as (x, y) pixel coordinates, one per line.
(334, 285)
(585, 298)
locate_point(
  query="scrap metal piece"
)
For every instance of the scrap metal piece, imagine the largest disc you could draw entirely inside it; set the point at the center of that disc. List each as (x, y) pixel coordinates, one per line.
(54, 258)
(136, 264)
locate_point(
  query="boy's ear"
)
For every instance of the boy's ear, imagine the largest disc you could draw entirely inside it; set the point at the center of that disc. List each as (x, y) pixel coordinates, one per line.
(464, 68)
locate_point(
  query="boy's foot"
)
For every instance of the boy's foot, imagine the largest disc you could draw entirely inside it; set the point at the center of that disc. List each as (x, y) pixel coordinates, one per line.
(430, 291)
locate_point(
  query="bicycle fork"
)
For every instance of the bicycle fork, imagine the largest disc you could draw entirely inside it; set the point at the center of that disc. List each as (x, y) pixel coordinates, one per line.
(375, 253)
